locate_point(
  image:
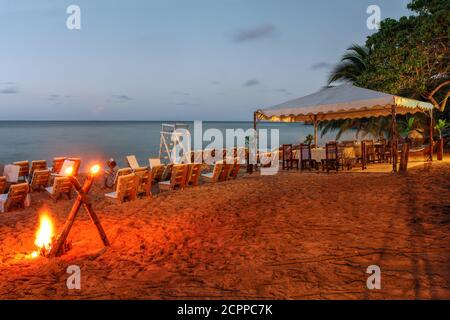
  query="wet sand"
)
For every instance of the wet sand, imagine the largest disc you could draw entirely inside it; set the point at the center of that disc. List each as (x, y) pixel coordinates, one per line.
(289, 236)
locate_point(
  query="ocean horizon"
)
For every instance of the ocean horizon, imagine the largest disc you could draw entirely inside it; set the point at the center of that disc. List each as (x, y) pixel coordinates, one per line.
(98, 140)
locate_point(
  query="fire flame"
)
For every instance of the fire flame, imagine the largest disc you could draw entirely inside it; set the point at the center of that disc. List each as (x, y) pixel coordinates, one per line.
(44, 234)
(95, 169)
(69, 171)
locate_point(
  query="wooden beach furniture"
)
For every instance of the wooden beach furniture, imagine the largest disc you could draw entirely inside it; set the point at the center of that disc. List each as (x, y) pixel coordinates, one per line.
(234, 169)
(306, 161)
(16, 197)
(157, 169)
(76, 163)
(287, 157)
(331, 162)
(178, 177)
(37, 165)
(126, 189)
(208, 156)
(57, 164)
(133, 163)
(24, 170)
(61, 186)
(39, 179)
(216, 174)
(144, 176)
(3, 184)
(194, 173)
(11, 172)
(121, 172)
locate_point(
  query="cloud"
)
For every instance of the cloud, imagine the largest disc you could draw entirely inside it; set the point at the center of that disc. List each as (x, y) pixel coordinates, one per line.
(215, 83)
(285, 91)
(183, 104)
(53, 97)
(121, 97)
(321, 65)
(178, 93)
(251, 83)
(8, 88)
(254, 33)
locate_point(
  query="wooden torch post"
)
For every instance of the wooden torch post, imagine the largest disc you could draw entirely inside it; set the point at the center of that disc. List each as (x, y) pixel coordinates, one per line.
(82, 198)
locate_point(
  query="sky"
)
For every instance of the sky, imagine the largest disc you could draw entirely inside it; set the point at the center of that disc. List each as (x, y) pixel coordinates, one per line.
(171, 60)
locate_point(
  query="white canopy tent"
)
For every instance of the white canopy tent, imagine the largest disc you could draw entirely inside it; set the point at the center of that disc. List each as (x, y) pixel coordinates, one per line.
(345, 101)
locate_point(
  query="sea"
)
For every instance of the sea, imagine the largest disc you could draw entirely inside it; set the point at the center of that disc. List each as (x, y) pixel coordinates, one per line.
(97, 141)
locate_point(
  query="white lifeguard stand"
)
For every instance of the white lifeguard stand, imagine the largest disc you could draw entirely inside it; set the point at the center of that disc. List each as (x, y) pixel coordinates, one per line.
(175, 143)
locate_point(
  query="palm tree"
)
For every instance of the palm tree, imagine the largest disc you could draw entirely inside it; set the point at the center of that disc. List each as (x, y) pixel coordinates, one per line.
(376, 127)
(352, 64)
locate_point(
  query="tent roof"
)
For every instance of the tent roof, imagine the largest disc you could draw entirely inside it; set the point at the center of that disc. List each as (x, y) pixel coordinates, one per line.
(341, 102)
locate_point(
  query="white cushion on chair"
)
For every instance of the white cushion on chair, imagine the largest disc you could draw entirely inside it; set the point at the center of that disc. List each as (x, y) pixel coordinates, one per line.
(49, 190)
(208, 175)
(3, 198)
(166, 183)
(111, 195)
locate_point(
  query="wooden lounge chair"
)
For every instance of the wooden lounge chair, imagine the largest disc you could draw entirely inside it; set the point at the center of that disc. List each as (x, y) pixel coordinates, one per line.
(39, 179)
(178, 177)
(37, 165)
(61, 186)
(144, 176)
(127, 188)
(121, 172)
(24, 170)
(234, 170)
(57, 164)
(216, 174)
(132, 162)
(15, 197)
(287, 157)
(194, 174)
(331, 162)
(76, 163)
(3, 185)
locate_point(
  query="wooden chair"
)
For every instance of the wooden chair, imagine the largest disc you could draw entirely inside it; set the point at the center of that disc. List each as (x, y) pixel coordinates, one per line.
(287, 157)
(215, 175)
(194, 174)
(37, 165)
(127, 188)
(167, 172)
(57, 164)
(39, 179)
(306, 162)
(144, 182)
(233, 172)
(3, 184)
(24, 170)
(331, 162)
(178, 177)
(76, 162)
(133, 163)
(121, 172)
(61, 186)
(370, 151)
(15, 197)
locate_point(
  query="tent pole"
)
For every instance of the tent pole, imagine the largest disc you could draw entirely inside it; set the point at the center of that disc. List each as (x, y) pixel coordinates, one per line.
(316, 132)
(394, 141)
(431, 135)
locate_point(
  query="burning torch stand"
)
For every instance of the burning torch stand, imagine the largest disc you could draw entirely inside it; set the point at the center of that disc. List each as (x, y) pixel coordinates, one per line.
(58, 248)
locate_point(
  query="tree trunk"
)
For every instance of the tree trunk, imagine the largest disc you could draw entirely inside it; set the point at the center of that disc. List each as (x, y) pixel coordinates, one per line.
(404, 157)
(440, 151)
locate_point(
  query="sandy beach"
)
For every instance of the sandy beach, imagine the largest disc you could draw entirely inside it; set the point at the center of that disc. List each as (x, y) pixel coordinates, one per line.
(290, 236)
